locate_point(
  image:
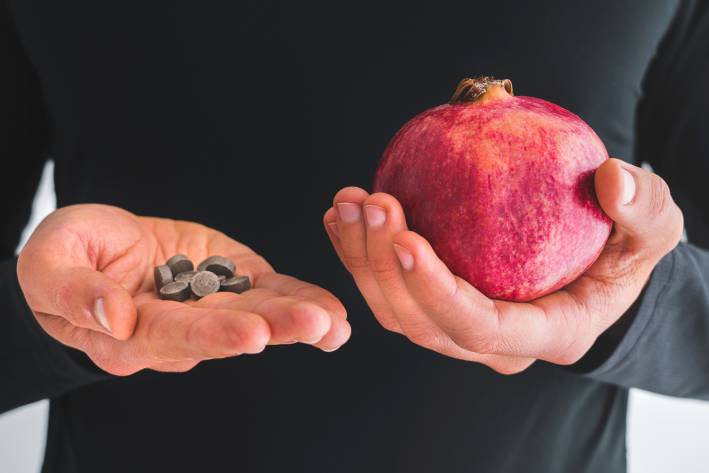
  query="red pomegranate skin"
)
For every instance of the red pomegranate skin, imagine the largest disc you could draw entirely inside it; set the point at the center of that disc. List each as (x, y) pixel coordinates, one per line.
(503, 190)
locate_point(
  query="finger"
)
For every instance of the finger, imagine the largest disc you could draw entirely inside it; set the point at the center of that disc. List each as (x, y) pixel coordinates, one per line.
(461, 311)
(173, 332)
(289, 318)
(353, 250)
(639, 202)
(464, 314)
(290, 286)
(648, 224)
(348, 208)
(330, 224)
(84, 297)
(105, 351)
(339, 331)
(168, 335)
(385, 218)
(552, 329)
(422, 331)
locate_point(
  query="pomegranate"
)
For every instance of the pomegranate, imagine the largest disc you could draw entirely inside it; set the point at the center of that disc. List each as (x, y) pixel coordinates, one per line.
(502, 187)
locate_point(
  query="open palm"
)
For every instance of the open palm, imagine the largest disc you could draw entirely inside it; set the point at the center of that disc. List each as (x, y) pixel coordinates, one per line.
(87, 275)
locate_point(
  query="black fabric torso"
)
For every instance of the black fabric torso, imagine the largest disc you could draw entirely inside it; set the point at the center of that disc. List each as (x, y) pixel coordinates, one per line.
(248, 116)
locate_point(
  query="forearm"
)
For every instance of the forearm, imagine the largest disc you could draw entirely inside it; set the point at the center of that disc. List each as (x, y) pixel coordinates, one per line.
(33, 365)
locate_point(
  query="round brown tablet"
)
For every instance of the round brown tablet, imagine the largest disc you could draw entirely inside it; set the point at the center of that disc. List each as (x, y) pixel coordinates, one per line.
(185, 276)
(162, 275)
(237, 284)
(219, 265)
(175, 291)
(204, 283)
(179, 264)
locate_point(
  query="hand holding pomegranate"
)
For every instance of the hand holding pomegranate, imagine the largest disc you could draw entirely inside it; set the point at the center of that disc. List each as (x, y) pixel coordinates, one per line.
(503, 188)
(412, 292)
(87, 274)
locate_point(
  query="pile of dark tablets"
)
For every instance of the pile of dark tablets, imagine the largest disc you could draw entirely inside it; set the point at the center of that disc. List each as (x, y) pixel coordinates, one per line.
(177, 279)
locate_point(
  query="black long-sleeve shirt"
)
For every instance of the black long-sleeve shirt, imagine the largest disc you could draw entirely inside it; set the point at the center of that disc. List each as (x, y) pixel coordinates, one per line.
(287, 102)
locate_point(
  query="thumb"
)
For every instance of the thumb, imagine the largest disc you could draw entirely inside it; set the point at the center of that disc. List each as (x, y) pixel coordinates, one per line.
(639, 202)
(84, 297)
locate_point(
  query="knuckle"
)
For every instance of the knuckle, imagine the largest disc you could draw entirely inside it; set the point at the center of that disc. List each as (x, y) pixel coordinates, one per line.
(338, 309)
(424, 338)
(115, 368)
(62, 297)
(390, 324)
(659, 198)
(570, 356)
(115, 362)
(677, 226)
(511, 368)
(356, 262)
(25, 263)
(484, 344)
(439, 303)
(121, 370)
(383, 270)
(179, 367)
(187, 366)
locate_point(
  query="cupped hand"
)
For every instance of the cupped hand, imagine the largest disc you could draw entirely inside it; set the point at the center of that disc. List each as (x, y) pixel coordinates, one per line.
(87, 275)
(412, 292)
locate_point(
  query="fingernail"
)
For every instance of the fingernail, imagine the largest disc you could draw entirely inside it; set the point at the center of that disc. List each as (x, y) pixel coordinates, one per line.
(628, 186)
(100, 314)
(334, 229)
(312, 342)
(374, 215)
(329, 350)
(348, 212)
(405, 257)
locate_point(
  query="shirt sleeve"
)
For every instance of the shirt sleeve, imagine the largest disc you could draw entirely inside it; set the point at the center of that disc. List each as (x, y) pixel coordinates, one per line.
(662, 343)
(666, 347)
(33, 365)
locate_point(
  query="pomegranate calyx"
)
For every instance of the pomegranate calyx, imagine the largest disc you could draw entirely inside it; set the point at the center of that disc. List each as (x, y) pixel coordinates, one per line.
(473, 89)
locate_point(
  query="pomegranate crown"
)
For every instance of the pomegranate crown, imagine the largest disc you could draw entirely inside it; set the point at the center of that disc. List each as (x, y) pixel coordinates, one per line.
(471, 89)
